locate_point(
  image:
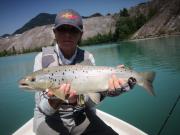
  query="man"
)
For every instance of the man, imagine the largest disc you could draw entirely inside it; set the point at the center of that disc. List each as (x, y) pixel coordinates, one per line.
(52, 115)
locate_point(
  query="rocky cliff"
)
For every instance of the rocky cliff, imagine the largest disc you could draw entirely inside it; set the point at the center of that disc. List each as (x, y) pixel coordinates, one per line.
(165, 21)
(43, 35)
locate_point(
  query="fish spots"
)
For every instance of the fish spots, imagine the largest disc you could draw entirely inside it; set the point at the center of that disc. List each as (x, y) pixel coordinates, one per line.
(75, 69)
(51, 78)
(59, 82)
(62, 79)
(99, 71)
(63, 73)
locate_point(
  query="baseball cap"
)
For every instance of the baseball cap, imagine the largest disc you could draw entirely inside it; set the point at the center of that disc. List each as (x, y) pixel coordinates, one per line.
(69, 17)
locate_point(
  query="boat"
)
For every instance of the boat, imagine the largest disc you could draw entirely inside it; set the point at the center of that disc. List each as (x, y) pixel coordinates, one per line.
(120, 126)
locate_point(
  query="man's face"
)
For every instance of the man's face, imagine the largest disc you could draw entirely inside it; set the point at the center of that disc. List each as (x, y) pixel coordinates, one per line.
(67, 37)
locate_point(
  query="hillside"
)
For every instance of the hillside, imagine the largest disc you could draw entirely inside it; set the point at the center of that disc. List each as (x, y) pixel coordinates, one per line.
(165, 19)
(40, 20)
(43, 35)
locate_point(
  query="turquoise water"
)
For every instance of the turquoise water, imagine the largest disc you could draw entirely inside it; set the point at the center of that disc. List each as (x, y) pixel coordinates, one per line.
(136, 107)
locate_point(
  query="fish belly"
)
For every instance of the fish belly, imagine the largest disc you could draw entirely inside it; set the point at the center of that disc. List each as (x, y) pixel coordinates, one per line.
(90, 84)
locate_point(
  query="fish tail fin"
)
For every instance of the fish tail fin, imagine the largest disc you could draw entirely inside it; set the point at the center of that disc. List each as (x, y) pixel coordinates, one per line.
(147, 81)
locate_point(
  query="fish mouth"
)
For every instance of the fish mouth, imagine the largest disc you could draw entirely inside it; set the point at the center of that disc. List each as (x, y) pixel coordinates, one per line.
(23, 84)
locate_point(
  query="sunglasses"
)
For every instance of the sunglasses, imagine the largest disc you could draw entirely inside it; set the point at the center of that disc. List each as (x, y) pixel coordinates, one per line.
(69, 29)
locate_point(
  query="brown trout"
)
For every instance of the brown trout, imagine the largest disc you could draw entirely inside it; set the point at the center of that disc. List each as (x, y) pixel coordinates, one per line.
(84, 79)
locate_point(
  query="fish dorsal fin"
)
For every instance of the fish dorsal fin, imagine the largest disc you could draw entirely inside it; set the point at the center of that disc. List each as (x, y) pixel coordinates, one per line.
(86, 62)
(124, 67)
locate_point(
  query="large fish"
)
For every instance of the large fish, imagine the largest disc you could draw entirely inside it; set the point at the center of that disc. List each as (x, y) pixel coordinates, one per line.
(83, 79)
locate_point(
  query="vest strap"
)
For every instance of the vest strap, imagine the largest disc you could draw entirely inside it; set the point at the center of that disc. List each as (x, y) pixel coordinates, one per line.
(49, 57)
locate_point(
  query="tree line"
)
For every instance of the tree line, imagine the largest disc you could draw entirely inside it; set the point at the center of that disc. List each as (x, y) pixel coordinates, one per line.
(125, 27)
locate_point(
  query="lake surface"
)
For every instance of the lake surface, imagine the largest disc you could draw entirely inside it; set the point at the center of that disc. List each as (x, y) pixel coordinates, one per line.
(136, 107)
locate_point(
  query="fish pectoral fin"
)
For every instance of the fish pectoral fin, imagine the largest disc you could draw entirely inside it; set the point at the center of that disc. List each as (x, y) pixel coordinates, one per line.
(59, 94)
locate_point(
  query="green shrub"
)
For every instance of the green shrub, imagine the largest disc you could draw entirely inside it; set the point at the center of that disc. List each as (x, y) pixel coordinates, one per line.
(124, 12)
(99, 38)
(126, 25)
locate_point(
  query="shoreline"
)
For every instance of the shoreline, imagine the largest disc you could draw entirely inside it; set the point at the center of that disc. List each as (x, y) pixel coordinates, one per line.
(127, 40)
(155, 37)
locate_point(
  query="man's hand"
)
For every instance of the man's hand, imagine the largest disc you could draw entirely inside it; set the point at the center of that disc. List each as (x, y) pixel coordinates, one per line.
(120, 84)
(115, 83)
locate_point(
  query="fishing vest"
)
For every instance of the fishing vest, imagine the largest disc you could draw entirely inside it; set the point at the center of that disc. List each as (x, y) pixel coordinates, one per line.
(50, 57)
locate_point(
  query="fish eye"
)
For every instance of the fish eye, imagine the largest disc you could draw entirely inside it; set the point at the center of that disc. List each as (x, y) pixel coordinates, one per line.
(33, 79)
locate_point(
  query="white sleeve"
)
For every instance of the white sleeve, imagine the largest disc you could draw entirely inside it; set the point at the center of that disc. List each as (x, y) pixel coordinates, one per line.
(38, 62)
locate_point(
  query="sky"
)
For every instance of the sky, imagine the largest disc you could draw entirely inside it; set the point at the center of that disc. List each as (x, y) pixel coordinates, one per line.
(15, 13)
